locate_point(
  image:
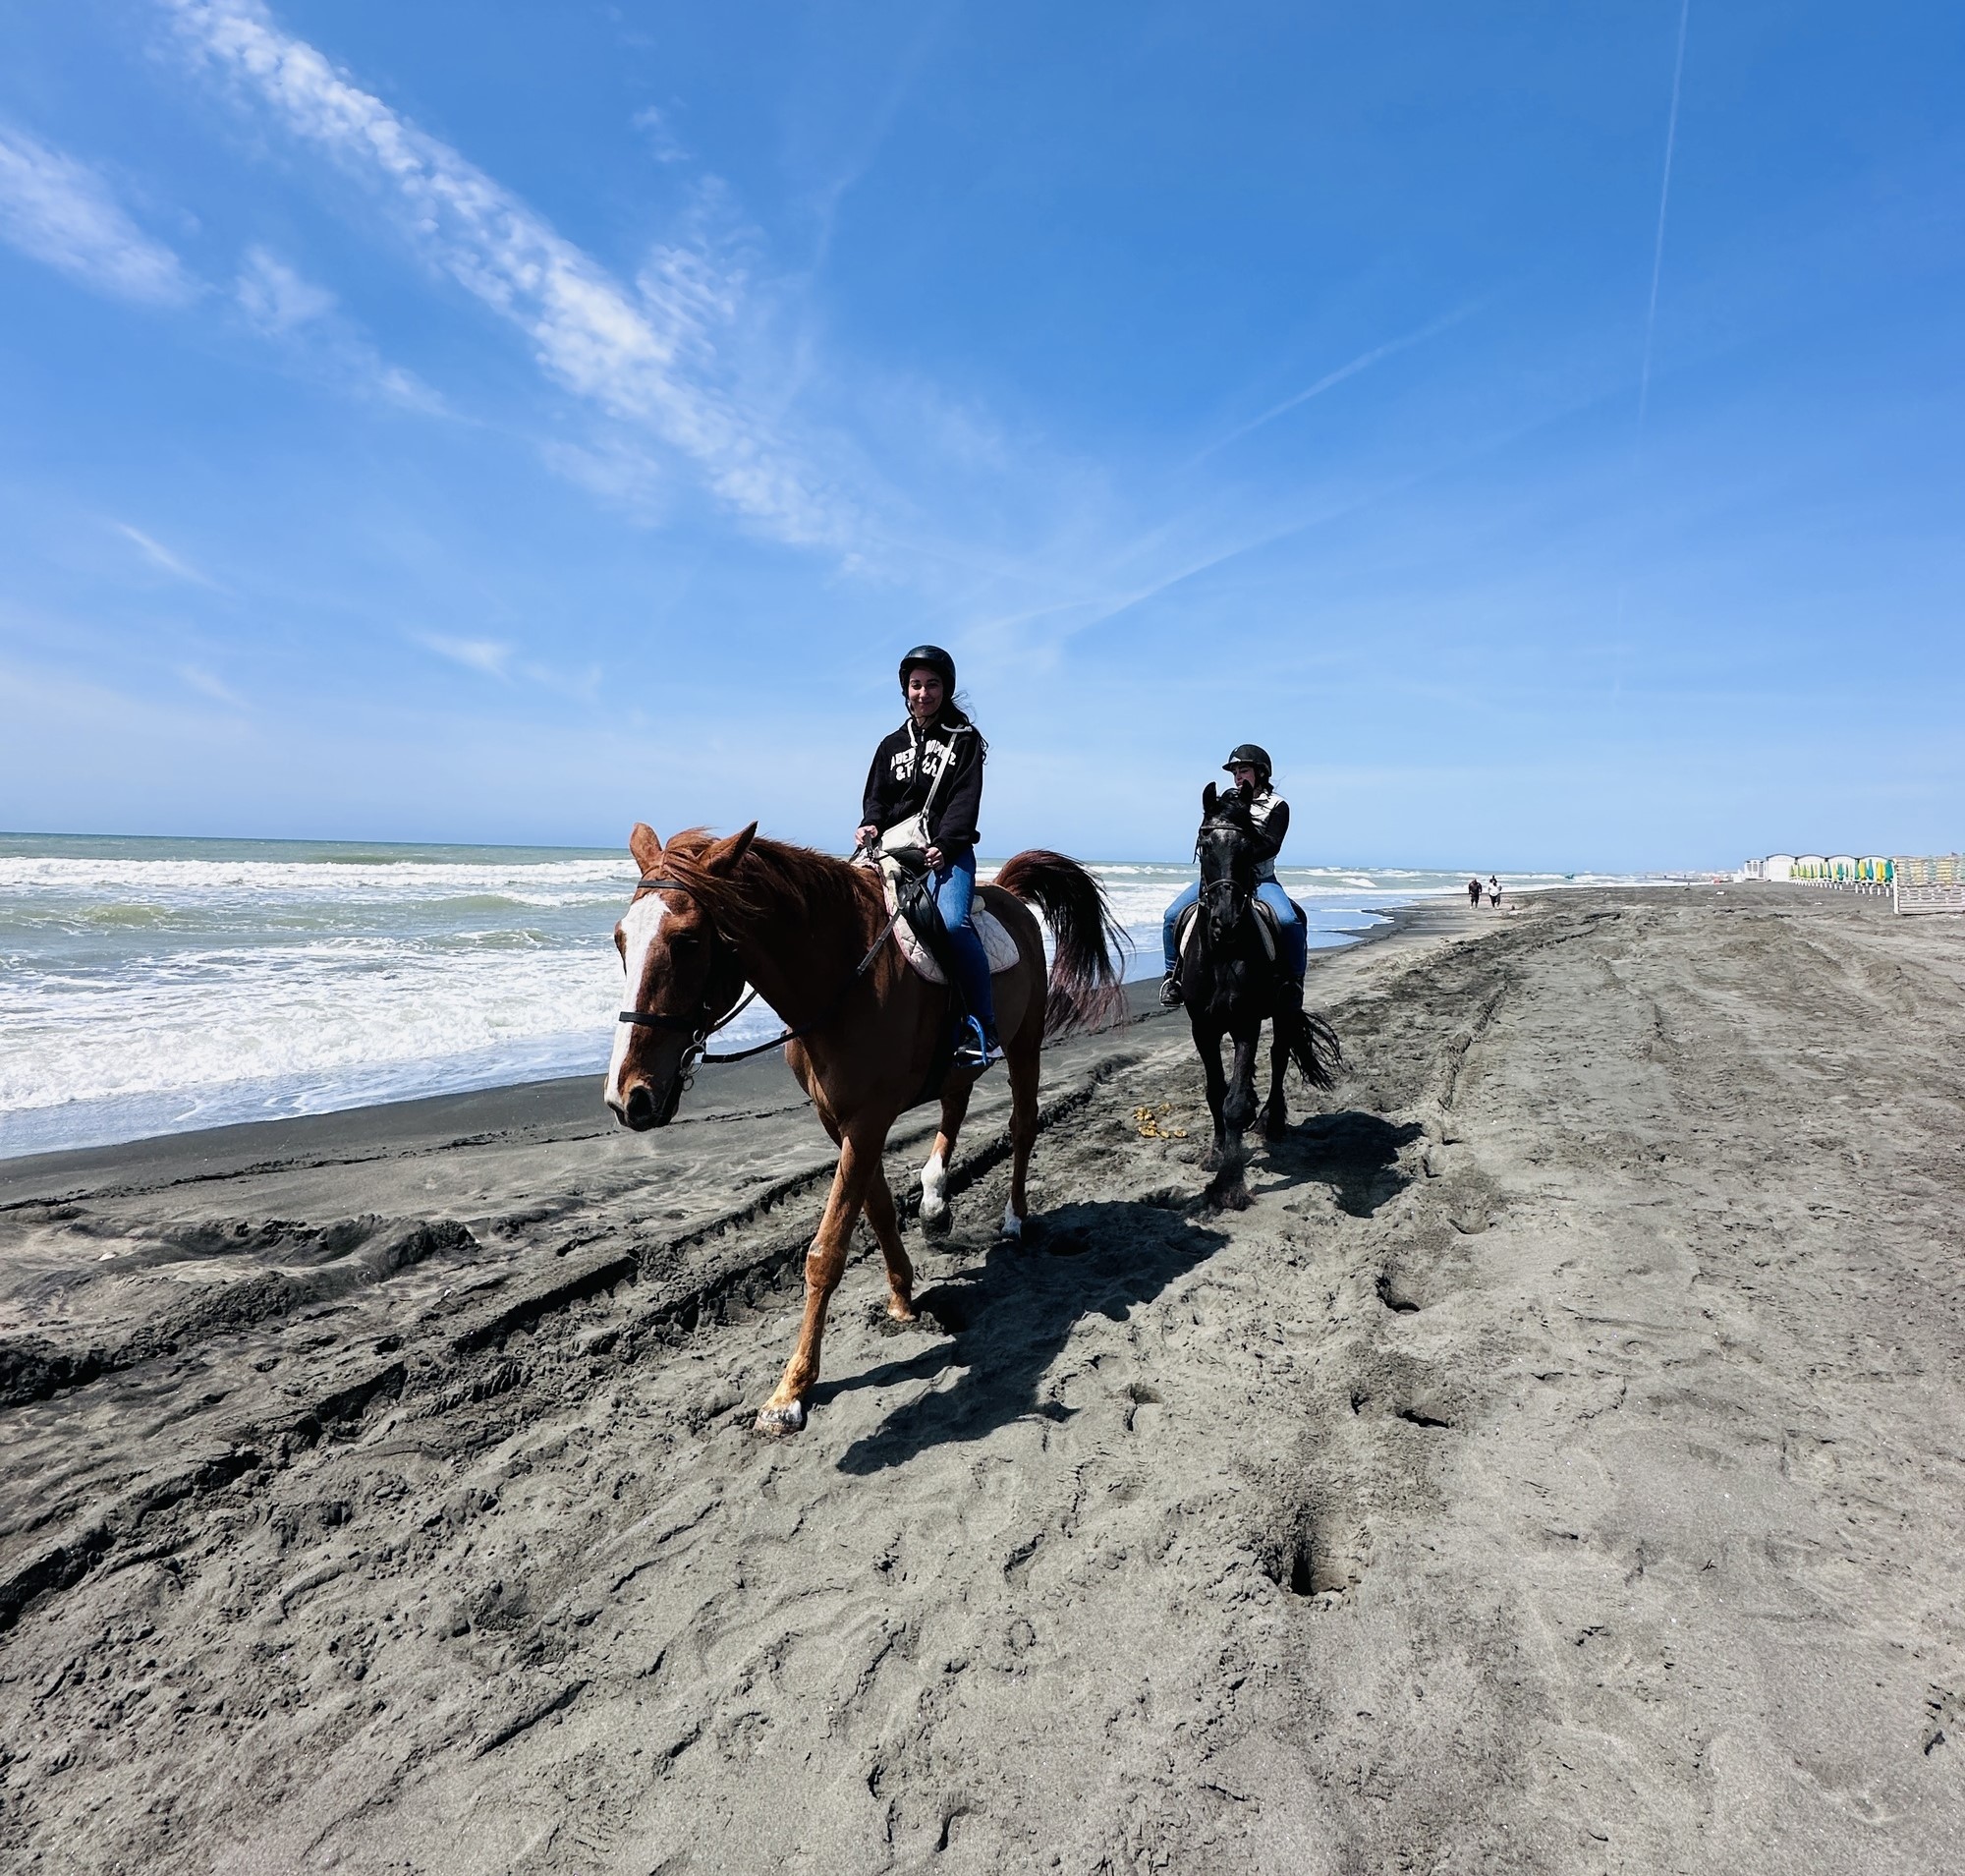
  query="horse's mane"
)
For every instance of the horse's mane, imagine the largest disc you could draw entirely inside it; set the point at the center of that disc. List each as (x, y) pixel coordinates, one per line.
(773, 880)
(1231, 812)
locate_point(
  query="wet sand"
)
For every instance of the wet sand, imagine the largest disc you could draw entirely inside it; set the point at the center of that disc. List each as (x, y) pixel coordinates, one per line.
(1557, 1468)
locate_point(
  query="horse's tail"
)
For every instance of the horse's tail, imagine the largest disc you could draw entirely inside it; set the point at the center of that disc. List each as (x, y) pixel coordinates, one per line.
(1087, 990)
(1312, 1044)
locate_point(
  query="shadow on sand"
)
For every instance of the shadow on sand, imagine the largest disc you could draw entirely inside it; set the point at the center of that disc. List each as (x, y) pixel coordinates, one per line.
(1014, 1314)
(1354, 1153)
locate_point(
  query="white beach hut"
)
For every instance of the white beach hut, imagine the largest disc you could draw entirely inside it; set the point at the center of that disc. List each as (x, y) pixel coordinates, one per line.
(1777, 866)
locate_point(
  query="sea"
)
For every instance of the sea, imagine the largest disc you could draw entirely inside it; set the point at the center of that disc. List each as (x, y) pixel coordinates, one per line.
(157, 986)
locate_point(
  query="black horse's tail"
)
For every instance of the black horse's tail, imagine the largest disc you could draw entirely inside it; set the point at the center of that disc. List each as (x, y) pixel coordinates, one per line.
(1312, 1044)
(1087, 990)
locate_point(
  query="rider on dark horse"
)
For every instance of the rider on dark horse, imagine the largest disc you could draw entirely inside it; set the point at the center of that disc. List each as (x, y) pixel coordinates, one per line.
(939, 752)
(1249, 764)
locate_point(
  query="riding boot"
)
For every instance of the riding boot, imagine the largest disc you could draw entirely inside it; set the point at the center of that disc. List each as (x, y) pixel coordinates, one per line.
(1170, 992)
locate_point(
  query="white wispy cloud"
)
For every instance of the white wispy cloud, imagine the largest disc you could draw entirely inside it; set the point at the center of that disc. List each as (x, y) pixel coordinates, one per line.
(647, 356)
(61, 212)
(663, 144)
(161, 557)
(283, 307)
(486, 656)
(202, 681)
(275, 298)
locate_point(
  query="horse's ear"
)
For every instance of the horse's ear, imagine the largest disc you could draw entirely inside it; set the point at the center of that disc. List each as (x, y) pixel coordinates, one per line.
(645, 844)
(1208, 798)
(719, 857)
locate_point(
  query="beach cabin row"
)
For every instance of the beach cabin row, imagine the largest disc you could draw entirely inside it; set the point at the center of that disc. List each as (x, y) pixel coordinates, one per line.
(1930, 882)
(1916, 883)
(1844, 872)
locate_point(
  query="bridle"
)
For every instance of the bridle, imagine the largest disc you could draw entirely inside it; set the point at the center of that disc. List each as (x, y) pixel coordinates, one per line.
(704, 1024)
(1238, 896)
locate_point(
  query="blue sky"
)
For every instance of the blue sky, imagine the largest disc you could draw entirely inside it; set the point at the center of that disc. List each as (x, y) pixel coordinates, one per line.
(499, 421)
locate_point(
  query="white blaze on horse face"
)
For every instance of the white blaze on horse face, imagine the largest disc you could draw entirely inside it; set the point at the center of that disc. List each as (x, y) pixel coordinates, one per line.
(935, 1187)
(639, 927)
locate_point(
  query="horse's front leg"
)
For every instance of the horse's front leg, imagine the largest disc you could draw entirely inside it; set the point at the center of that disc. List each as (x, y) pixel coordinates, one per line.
(1237, 1111)
(824, 1265)
(1208, 1043)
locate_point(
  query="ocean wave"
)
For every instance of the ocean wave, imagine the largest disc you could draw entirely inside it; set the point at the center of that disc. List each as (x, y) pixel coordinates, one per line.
(148, 988)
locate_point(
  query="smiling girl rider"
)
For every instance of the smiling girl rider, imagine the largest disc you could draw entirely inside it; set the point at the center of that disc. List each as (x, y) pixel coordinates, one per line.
(907, 766)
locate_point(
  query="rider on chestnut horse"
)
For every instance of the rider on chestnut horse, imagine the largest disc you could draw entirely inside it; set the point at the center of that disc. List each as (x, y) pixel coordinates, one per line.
(1249, 764)
(932, 766)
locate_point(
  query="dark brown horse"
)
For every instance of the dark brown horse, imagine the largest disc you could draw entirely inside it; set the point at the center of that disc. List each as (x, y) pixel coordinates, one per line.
(865, 1028)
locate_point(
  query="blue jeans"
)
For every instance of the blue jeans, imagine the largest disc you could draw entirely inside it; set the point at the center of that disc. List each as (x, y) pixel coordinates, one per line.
(954, 891)
(1296, 940)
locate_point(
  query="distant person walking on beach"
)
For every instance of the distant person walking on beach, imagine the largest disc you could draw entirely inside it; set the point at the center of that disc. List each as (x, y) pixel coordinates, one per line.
(1474, 893)
(932, 766)
(1494, 890)
(1249, 764)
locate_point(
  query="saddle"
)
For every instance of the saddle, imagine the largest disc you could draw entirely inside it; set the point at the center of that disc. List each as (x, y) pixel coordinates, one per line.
(1264, 926)
(1266, 930)
(922, 937)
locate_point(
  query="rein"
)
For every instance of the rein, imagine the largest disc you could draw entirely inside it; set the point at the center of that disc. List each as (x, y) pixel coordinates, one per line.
(701, 1026)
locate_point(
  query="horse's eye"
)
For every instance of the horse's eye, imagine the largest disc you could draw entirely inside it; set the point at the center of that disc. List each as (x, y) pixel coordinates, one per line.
(684, 941)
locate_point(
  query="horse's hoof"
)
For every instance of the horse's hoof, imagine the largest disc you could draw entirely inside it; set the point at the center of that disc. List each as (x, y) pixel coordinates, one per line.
(776, 1421)
(938, 1224)
(1230, 1198)
(1011, 1226)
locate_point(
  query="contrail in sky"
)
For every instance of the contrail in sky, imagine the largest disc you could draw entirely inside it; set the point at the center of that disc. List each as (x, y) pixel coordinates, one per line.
(1664, 197)
(1362, 362)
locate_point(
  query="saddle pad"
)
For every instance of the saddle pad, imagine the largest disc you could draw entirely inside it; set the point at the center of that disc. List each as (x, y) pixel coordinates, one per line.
(997, 944)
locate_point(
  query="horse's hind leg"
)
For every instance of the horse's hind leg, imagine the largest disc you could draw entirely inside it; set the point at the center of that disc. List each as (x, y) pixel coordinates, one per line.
(1276, 1112)
(886, 1225)
(935, 1219)
(824, 1265)
(1024, 1059)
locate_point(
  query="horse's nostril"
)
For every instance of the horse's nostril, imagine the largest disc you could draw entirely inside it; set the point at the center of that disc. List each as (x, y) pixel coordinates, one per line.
(641, 1107)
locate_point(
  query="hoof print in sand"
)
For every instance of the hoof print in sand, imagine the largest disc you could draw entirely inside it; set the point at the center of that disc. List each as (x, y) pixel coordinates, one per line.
(1302, 1556)
(946, 1307)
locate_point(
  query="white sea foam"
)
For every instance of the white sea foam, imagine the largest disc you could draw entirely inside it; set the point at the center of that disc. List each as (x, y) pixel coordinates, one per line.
(147, 987)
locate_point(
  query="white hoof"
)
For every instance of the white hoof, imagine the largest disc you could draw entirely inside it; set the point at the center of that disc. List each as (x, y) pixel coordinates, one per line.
(934, 1190)
(781, 1420)
(1013, 1225)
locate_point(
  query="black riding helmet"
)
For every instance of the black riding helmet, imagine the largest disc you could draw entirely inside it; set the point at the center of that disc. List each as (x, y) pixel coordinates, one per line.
(935, 659)
(1253, 754)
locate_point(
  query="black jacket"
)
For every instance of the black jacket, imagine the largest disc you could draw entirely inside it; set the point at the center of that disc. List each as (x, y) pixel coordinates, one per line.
(904, 768)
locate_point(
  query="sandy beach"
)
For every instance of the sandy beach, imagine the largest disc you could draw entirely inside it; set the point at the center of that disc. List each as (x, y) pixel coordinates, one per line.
(1559, 1467)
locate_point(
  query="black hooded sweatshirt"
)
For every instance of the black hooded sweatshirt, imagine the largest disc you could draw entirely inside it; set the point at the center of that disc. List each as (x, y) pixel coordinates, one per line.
(904, 766)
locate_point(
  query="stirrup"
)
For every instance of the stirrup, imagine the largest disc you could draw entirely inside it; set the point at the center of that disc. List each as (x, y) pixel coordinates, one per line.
(1170, 991)
(976, 1049)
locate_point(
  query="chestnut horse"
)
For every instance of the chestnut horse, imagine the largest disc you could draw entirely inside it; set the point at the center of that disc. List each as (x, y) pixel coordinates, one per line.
(864, 1029)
